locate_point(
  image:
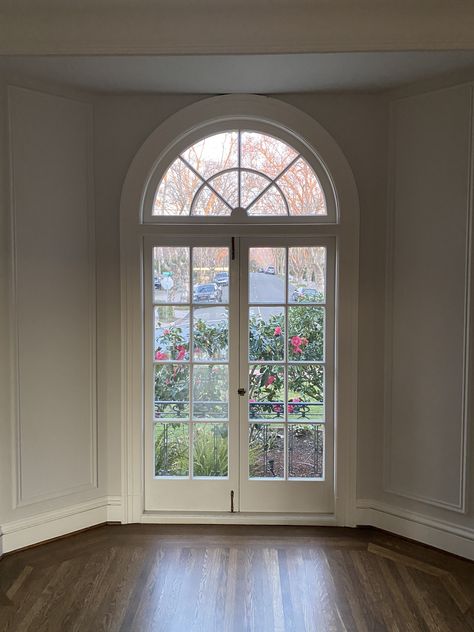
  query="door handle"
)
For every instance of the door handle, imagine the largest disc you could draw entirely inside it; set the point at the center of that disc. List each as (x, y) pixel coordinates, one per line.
(241, 391)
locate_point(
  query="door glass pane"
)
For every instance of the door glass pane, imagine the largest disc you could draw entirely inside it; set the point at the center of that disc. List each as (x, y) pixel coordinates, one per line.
(210, 450)
(266, 333)
(305, 450)
(171, 449)
(266, 451)
(171, 333)
(305, 333)
(210, 275)
(305, 392)
(210, 391)
(307, 275)
(171, 274)
(210, 333)
(171, 391)
(286, 342)
(267, 270)
(266, 391)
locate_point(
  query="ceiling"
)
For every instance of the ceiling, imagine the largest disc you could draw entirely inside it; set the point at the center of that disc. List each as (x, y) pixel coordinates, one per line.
(264, 74)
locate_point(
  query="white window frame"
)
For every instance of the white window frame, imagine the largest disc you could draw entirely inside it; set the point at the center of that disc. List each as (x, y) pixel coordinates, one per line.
(203, 118)
(309, 153)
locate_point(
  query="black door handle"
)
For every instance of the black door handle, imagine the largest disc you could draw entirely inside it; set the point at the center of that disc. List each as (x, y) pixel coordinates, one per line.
(241, 391)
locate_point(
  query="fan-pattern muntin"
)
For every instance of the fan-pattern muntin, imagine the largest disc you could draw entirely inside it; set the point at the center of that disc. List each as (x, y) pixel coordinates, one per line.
(204, 188)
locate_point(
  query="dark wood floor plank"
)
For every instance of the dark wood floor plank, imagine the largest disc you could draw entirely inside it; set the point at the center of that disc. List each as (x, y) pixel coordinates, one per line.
(150, 578)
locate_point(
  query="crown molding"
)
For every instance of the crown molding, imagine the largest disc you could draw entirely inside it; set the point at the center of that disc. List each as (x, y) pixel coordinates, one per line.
(206, 28)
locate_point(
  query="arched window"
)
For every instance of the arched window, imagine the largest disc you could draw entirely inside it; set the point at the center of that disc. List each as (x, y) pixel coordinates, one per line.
(242, 169)
(239, 234)
(239, 170)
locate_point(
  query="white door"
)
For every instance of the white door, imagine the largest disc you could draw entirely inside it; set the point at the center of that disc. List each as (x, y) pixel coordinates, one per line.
(239, 364)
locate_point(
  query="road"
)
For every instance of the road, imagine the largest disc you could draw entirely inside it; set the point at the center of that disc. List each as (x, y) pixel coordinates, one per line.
(264, 289)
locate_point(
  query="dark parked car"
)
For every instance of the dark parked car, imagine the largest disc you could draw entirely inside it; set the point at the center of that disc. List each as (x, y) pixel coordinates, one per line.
(270, 270)
(207, 293)
(222, 278)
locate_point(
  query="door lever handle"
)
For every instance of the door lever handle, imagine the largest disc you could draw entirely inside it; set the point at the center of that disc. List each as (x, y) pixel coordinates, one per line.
(241, 391)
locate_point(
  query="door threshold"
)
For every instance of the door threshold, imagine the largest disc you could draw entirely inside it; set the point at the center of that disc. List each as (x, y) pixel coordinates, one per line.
(250, 518)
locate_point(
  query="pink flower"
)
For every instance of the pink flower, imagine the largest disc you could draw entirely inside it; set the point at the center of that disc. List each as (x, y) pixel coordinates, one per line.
(166, 332)
(161, 356)
(296, 343)
(277, 408)
(252, 400)
(277, 331)
(181, 352)
(270, 380)
(291, 408)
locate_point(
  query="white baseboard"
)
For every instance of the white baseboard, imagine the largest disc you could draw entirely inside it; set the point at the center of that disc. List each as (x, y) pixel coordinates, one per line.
(52, 524)
(438, 533)
(157, 517)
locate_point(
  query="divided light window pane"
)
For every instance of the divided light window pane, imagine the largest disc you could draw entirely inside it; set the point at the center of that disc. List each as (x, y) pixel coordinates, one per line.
(240, 169)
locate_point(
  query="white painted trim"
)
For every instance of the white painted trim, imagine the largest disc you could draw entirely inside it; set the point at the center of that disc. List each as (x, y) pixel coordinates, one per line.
(258, 108)
(18, 500)
(158, 517)
(461, 506)
(52, 524)
(438, 533)
(211, 28)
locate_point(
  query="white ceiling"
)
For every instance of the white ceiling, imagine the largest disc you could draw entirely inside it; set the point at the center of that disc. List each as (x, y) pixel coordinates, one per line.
(264, 74)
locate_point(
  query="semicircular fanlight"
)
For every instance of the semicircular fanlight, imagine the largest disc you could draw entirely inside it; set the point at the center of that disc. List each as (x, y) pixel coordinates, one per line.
(240, 169)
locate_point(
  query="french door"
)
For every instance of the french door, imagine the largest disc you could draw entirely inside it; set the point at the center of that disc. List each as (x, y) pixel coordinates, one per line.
(239, 374)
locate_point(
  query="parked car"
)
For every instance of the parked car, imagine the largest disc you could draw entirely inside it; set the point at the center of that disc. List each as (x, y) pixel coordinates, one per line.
(157, 284)
(207, 293)
(261, 270)
(307, 294)
(222, 278)
(270, 270)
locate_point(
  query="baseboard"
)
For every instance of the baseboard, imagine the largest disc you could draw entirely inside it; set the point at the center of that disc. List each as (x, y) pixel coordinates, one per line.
(53, 524)
(438, 533)
(243, 518)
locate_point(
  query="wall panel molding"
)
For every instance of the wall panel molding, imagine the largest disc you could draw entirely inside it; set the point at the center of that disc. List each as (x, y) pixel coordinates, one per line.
(53, 286)
(462, 98)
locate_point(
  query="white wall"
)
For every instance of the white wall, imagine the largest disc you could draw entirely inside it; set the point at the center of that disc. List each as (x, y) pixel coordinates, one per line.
(428, 473)
(50, 429)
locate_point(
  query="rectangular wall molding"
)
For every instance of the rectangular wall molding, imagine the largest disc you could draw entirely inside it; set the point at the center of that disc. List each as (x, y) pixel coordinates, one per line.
(428, 298)
(53, 292)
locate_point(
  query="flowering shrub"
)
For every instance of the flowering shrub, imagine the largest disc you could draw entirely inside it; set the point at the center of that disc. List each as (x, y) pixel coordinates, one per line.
(266, 344)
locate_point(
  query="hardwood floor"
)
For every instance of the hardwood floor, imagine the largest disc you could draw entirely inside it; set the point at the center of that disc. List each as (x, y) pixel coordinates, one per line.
(136, 578)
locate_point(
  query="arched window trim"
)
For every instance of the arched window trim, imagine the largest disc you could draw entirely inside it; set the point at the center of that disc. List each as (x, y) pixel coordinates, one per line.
(227, 123)
(133, 229)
